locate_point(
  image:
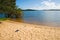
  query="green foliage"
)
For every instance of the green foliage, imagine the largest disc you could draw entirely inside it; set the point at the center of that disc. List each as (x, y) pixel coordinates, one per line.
(2, 19)
(9, 7)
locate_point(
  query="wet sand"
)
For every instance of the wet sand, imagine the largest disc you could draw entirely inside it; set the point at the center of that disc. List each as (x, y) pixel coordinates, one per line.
(10, 30)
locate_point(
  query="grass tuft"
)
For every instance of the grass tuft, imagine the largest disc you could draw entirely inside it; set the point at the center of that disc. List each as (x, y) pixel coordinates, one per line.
(2, 19)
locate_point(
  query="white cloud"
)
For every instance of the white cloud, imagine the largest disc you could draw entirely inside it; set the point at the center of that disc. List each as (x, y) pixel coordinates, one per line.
(48, 5)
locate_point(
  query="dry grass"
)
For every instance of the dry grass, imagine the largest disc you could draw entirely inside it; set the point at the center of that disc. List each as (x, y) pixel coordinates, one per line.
(27, 31)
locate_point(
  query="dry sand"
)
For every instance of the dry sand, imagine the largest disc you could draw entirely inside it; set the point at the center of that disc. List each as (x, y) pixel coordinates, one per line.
(10, 30)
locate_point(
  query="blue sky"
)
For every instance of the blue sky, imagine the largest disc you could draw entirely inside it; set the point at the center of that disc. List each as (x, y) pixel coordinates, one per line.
(38, 4)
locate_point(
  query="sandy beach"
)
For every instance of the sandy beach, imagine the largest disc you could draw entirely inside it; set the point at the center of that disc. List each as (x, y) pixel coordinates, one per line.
(10, 30)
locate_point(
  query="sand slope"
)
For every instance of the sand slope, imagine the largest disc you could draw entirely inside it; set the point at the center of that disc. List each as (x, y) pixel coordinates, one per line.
(27, 31)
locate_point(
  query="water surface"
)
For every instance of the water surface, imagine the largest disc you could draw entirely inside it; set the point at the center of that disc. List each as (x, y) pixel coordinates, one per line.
(49, 18)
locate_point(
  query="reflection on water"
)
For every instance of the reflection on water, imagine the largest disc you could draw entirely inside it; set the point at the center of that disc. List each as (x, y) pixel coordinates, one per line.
(2, 15)
(50, 18)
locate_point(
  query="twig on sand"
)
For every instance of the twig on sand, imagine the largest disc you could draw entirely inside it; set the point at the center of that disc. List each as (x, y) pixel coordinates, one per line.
(0, 22)
(16, 30)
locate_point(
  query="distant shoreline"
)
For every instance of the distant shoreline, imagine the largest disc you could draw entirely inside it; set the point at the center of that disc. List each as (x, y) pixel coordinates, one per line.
(42, 10)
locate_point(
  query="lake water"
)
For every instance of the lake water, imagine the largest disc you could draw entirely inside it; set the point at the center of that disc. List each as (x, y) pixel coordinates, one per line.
(48, 18)
(2, 15)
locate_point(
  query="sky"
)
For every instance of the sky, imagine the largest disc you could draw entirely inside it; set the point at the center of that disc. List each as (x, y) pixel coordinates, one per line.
(38, 4)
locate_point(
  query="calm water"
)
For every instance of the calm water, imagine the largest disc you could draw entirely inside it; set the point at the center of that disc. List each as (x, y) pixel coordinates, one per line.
(49, 18)
(2, 15)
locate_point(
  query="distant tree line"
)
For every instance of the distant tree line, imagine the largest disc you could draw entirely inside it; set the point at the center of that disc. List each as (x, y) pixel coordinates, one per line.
(10, 9)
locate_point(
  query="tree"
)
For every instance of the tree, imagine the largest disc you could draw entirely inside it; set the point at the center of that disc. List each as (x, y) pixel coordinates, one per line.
(9, 7)
(19, 12)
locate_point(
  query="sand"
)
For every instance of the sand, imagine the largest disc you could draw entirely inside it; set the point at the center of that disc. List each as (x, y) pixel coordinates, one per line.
(10, 30)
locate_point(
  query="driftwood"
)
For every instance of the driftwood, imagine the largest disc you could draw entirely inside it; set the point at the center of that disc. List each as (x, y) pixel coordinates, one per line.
(0, 22)
(16, 30)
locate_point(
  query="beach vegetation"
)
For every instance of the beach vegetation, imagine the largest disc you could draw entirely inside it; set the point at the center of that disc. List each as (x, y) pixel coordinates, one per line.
(9, 8)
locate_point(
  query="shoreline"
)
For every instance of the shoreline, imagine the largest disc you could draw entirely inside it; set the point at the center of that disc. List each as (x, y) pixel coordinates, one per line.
(27, 31)
(21, 21)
